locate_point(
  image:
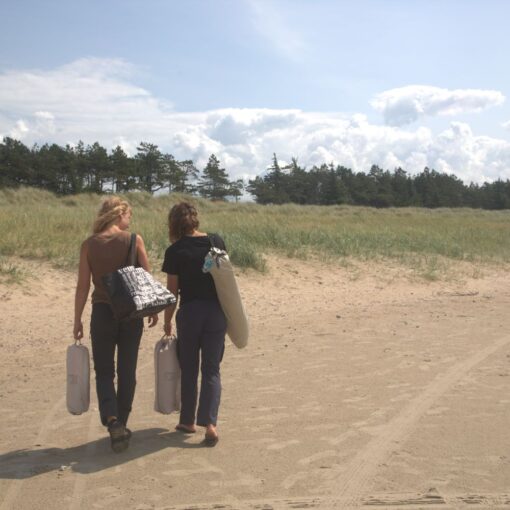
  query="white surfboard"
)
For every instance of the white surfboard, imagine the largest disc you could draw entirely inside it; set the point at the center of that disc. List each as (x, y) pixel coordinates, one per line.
(218, 264)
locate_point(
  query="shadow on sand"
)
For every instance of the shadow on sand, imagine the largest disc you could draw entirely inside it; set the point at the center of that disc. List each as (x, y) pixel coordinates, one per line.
(89, 457)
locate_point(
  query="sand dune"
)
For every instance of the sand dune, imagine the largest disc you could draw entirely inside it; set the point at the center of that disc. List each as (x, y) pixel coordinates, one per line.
(377, 391)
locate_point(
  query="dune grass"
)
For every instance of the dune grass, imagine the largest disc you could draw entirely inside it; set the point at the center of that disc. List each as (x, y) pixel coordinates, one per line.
(10, 272)
(36, 224)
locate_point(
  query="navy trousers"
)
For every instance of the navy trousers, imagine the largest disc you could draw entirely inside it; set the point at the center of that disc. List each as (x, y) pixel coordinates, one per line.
(201, 328)
(107, 334)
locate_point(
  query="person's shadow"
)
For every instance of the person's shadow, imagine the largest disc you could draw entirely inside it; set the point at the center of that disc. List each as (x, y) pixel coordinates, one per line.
(89, 457)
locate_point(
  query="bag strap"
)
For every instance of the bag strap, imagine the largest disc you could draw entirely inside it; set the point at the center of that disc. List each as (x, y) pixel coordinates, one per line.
(131, 260)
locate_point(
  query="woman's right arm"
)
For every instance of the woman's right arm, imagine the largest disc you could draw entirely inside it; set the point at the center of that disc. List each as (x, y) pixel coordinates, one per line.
(141, 254)
(82, 292)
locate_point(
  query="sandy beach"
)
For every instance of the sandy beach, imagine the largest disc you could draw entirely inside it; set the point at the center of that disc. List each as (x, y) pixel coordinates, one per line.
(359, 388)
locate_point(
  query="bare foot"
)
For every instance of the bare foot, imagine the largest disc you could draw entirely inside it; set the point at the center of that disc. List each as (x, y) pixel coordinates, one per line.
(211, 435)
(187, 429)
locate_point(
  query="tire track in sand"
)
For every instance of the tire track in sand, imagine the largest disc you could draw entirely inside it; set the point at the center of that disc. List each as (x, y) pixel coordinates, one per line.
(17, 484)
(351, 483)
(80, 483)
(348, 488)
(391, 501)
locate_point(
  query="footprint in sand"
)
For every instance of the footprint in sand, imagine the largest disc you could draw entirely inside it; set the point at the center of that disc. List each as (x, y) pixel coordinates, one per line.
(305, 461)
(283, 444)
(244, 480)
(202, 466)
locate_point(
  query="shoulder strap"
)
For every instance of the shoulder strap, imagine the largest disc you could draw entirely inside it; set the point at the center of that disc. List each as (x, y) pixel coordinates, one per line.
(131, 260)
(211, 240)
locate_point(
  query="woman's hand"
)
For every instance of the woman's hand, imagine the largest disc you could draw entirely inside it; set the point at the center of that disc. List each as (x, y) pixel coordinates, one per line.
(78, 330)
(167, 328)
(152, 320)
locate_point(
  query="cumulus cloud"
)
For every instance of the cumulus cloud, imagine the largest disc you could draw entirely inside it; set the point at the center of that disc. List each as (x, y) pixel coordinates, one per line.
(19, 130)
(407, 104)
(95, 100)
(84, 95)
(271, 23)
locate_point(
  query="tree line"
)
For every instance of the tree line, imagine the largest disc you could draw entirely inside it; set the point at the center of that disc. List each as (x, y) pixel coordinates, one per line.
(77, 169)
(330, 184)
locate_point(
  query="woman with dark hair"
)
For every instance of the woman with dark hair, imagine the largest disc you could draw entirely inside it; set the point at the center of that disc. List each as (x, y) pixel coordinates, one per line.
(103, 252)
(201, 323)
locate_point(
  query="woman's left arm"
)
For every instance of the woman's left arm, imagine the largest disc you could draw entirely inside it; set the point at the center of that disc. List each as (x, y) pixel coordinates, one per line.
(172, 284)
(143, 261)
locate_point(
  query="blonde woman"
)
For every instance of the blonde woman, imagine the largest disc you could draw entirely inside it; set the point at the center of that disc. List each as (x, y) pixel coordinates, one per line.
(103, 252)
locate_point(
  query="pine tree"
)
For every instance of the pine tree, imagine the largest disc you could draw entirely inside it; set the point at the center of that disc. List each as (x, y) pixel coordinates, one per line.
(152, 168)
(183, 176)
(236, 189)
(122, 169)
(15, 164)
(214, 183)
(98, 167)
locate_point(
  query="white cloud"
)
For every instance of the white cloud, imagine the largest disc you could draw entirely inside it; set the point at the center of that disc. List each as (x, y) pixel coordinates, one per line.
(506, 125)
(19, 130)
(83, 90)
(271, 24)
(44, 123)
(407, 104)
(94, 100)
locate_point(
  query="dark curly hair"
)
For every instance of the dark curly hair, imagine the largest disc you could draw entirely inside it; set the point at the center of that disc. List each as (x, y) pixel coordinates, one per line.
(182, 220)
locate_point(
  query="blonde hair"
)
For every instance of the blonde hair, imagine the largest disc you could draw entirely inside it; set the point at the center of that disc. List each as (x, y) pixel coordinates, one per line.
(182, 220)
(108, 214)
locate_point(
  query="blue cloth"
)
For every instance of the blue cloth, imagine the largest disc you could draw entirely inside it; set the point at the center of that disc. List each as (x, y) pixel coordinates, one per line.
(201, 328)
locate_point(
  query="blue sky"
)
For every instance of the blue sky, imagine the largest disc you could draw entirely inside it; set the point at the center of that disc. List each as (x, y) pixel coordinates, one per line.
(393, 82)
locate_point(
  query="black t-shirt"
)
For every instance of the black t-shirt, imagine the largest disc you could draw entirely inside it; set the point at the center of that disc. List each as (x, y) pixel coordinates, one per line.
(185, 259)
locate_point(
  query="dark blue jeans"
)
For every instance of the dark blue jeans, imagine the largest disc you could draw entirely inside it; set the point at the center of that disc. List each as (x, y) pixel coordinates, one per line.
(201, 328)
(107, 334)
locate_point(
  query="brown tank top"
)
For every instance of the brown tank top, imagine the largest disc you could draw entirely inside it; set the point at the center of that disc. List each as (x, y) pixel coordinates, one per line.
(106, 254)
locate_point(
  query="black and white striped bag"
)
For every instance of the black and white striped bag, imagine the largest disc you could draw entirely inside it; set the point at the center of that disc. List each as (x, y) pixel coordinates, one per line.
(133, 291)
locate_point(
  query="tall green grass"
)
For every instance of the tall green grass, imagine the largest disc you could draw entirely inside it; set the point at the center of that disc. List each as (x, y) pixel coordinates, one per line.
(37, 224)
(11, 272)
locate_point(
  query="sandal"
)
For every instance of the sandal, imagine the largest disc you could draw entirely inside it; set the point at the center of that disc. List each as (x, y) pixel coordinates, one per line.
(119, 436)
